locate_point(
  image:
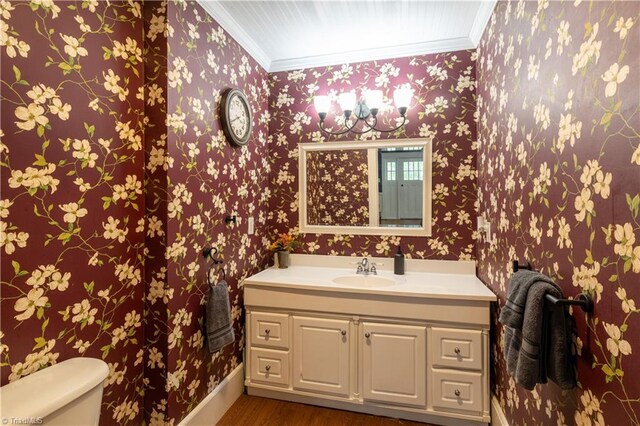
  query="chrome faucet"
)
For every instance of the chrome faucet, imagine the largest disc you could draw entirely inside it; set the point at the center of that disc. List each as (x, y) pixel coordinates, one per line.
(365, 267)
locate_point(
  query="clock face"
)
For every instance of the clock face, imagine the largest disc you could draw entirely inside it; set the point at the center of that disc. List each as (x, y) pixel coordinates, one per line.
(236, 117)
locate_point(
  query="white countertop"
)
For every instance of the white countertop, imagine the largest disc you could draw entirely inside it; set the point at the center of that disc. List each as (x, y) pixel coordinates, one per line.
(436, 285)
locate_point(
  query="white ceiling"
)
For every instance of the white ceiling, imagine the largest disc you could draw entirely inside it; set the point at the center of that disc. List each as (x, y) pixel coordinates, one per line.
(286, 35)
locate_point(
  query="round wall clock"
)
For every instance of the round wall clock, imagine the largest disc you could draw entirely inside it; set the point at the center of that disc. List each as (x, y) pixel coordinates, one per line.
(236, 117)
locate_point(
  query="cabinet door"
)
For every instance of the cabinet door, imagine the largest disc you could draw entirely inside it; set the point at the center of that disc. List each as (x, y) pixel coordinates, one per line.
(321, 355)
(394, 363)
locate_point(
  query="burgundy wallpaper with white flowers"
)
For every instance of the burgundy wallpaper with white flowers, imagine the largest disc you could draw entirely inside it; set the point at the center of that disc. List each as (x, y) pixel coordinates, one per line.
(559, 178)
(115, 174)
(157, 163)
(336, 192)
(442, 107)
(206, 179)
(80, 144)
(72, 230)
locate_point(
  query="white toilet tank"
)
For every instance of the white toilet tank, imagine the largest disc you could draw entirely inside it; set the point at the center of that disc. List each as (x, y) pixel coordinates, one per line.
(65, 394)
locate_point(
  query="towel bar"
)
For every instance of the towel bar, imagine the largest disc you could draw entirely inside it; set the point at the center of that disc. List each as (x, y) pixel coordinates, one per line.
(584, 301)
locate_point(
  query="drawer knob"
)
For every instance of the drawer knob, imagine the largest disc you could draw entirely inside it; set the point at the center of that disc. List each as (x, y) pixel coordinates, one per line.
(267, 331)
(457, 351)
(343, 332)
(268, 367)
(457, 392)
(367, 335)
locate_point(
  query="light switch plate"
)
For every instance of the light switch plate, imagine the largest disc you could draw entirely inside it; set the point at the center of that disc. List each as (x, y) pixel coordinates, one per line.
(251, 230)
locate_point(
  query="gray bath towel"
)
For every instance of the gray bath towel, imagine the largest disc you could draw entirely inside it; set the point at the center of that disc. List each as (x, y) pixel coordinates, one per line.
(218, 317)
(538, 341)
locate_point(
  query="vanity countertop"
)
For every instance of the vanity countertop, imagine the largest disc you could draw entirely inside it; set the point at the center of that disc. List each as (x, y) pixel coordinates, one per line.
(438, 285)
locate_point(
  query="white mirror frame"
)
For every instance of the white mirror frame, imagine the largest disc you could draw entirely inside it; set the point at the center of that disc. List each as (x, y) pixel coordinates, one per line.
(372, 147)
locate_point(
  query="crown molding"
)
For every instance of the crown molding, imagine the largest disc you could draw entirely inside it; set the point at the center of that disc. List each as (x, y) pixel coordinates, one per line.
(480, 23)
(215, 9)
(362, 55)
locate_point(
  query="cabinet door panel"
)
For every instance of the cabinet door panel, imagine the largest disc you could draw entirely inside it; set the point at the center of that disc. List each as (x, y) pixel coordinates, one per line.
(321, 355)
(394, 363)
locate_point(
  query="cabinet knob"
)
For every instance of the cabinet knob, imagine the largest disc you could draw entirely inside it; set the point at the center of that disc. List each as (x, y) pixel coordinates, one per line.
(343, 332)
(367, 335)
(267, 331)
(457, 392)
(268, 367)
(457, 351)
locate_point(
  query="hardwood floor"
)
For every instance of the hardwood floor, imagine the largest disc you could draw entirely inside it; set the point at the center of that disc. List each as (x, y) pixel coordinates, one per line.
(255, 411)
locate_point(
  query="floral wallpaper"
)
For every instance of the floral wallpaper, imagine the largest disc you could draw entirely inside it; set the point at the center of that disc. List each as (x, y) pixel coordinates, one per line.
(442, 107)
(124, 160)
(559, 178)
(72, 230)
(336, 192)
(206, 180)
(114, 174)
(157, 162)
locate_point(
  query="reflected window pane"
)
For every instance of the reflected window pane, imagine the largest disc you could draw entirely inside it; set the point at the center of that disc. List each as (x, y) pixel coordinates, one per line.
(391, 170)
(413, 170)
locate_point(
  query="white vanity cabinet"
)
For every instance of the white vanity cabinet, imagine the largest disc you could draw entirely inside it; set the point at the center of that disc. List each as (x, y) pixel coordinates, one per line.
(408, 352)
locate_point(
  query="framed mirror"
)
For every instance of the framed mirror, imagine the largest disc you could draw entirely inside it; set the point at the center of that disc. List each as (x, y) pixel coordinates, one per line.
(381, 187)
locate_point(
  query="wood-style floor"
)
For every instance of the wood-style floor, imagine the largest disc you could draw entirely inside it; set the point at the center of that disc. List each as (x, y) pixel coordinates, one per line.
(255, 411)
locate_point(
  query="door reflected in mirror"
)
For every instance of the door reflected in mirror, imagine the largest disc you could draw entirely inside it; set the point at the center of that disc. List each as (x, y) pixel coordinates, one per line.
(401, 179)
(380, 187)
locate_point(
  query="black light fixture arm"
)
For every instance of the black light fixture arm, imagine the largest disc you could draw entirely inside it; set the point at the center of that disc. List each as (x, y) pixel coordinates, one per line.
(369, 127)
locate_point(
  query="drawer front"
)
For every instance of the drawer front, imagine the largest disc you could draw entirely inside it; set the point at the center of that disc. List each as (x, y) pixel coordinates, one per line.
(270, 330)
(456, 348)
(456, 390)
(270, 366)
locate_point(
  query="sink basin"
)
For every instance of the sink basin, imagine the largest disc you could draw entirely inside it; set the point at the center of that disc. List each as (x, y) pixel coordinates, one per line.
(364, 281)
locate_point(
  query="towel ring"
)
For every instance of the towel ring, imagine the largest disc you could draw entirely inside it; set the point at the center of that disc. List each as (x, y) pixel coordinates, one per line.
(208, 253)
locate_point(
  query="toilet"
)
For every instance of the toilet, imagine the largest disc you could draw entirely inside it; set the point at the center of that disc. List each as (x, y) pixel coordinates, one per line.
(65, 394)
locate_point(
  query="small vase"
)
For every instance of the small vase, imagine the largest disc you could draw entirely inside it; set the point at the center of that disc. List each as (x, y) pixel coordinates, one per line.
(283, 259)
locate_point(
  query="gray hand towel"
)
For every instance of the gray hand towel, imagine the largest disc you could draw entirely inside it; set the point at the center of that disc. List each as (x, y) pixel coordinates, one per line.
(512, 313)
(218, 317)
(537, 341)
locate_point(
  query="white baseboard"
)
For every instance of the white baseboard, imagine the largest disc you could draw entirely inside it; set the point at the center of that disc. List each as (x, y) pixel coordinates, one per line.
(497, 415)
(213, 406)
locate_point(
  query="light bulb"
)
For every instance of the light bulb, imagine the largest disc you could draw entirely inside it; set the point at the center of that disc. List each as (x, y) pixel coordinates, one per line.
(402, 97)
(347, 101)
(322, 104)
(374, 99)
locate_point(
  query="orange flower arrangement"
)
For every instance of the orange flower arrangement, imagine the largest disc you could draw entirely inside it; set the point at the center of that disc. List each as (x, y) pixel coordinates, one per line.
(286, 242)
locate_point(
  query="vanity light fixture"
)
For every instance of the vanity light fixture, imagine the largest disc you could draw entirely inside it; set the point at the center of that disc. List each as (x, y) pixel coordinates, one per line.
(364, 110)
